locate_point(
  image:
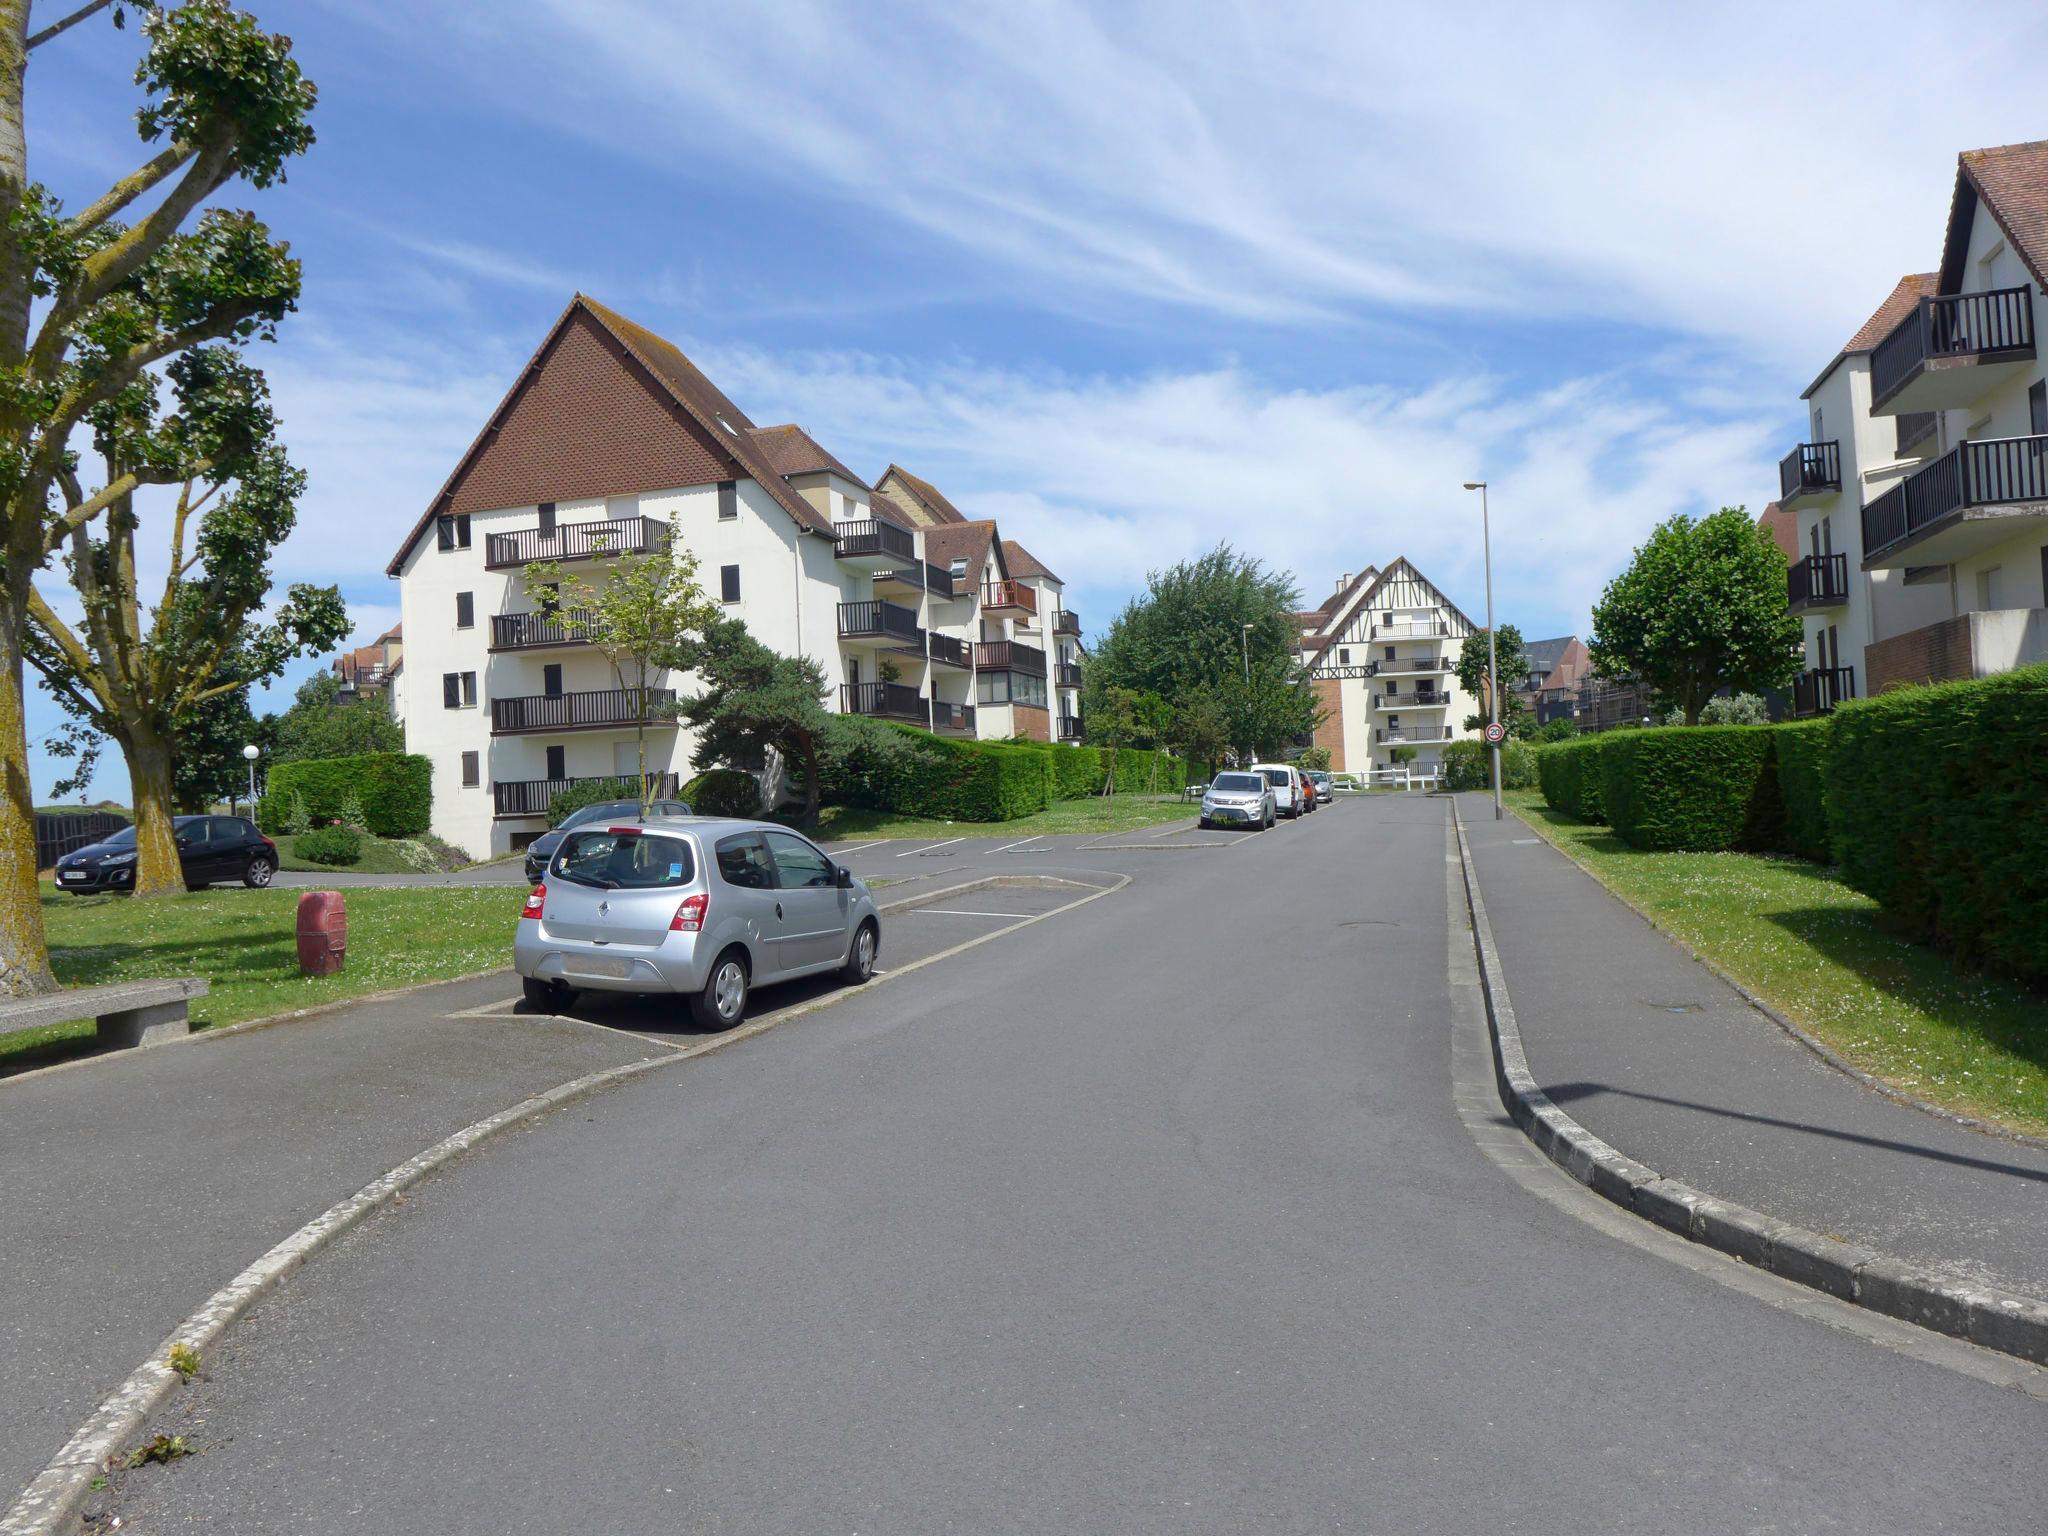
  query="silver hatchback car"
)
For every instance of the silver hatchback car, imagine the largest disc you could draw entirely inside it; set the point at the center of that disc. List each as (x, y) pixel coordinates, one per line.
(701, 906)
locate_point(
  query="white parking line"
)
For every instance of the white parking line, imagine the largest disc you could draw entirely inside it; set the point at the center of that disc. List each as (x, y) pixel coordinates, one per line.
(1178, 826)
(960, 912)
(1018, 844)
(949, 842)
(860, 847)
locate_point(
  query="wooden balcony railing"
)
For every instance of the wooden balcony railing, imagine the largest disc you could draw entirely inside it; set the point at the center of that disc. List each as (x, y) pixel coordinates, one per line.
(1009, 594)
(894, 701)
(530, 797)
(952, 717)
(1068, 623)
(949, 650)
(1009, 656)
(574, 541)
(1952, 325)
(1817, 691)
(1818, 581)
(1998, 470)
(871, 537)
(529, 631)
(1068, 674)
(1810, 469)
(581, 711)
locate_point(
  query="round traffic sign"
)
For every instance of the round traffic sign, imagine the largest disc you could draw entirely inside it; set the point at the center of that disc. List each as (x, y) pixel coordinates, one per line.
(1496, 733)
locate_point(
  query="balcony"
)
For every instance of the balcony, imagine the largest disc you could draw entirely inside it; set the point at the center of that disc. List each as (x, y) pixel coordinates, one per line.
(1410, 629)
(1009, 656)
(1067, 674)
(1070, 727)
(1916, 434)
(1408, 735)
(530, 797)
(1068, 623)
(871, 541)
(582, 711)
(1406, 666)
(1817, 582)
(884, 701)
(950, 651)
(1972, 497)
(1425, 699)
(890, 623)
(1811, 469)
(1951, 349)
(1819, 690)
(1008, 597)
(536, 631)
(573, 541)
(956, 719)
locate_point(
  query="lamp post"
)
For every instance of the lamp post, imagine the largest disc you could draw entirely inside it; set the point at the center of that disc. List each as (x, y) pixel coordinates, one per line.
(1492, 655)
(250, 753)
(1244, 644)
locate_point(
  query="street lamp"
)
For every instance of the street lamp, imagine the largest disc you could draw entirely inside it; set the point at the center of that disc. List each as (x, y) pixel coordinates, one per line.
(1244, 643)
(1492, 657)
(250, 753)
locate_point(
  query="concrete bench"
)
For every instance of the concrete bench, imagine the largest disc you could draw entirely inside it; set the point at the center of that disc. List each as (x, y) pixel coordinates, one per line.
(125, 1012)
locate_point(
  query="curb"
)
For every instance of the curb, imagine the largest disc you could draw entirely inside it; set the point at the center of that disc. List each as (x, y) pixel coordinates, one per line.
(56, 1493)
(2001, 1320)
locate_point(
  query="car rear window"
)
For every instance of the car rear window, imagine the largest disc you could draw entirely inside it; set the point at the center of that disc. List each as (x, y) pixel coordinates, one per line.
(630, 861)
(1277, 777)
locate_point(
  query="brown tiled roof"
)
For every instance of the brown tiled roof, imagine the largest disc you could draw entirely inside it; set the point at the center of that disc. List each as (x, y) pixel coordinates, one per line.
(2012, 179)
(928, 494)
(1021, 562)
(1899, 303)
(962, 541)
(1783, 527)
(1334, 603)
(793, 451)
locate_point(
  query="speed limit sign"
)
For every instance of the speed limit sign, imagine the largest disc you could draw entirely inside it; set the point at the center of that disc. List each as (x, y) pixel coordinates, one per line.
(1496, 733)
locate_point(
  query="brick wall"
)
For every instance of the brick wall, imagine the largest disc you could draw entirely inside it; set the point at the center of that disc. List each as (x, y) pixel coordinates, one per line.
(1029, 720)
(1330, 730)
(1934, 653)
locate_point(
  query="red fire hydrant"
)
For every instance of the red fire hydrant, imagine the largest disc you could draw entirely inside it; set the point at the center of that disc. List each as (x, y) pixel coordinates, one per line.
(323, 933)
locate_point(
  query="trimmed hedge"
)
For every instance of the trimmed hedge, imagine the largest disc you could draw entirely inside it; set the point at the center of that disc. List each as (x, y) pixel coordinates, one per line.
(1569, 774)
(893, 766)
(1701, 788)
(396, 791)
(1076, 771)
(723, 792)
(1937, 804)
(1802, 751)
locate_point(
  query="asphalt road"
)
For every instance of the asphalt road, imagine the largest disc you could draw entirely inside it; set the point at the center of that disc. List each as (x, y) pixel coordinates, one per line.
(1158, 1217)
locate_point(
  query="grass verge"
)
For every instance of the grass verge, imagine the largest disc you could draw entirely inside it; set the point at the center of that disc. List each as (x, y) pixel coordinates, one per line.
(1093, 814)
(381, 856)
(245, 944)
(1820, 953)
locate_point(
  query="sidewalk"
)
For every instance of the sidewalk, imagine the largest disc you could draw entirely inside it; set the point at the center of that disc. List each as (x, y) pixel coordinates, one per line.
(1654, 1054)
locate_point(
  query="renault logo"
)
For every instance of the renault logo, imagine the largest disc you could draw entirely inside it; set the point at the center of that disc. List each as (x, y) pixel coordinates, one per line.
(603, 907)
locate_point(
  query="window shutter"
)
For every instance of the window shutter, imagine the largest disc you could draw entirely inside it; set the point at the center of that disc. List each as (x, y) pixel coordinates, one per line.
(729, 583)
(547, 519)
(471, 769)
(444, 532)
(451, 690)
(465, 610)
(728, 499)
(462, 531)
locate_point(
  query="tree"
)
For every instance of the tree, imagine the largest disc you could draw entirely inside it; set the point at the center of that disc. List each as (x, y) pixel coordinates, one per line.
(643, 612)
(144, 687)
(1513, 664)
(754, 701)
(1727, 709)
(1559, 729)
(319, 725)
(1314, 760)
(1112, 722)
(90, 304)
(1201, 732)
(1700, 608)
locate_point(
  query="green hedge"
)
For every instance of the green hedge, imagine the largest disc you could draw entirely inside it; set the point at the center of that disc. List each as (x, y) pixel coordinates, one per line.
(396, 791)
(1701, 788)
(1568, 772)
(1802, 750)
(898, 767)
(1937, 804)
(1076, 771)
(723, 792)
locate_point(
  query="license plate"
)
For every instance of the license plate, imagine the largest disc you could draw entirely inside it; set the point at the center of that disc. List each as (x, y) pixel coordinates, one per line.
(73, 874)
(599, 965)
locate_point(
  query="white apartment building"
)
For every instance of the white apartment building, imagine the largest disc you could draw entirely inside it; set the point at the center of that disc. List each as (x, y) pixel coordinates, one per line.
(610, 441)
(1381, 653)
(1922, 492)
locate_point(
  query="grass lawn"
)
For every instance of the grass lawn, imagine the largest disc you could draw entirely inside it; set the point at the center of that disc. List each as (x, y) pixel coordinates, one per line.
(381, 856)
(1820, 953)
(244, 942)
(1094, 813)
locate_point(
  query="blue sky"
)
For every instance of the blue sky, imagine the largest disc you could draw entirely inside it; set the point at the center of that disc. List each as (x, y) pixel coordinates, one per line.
(1132, 278)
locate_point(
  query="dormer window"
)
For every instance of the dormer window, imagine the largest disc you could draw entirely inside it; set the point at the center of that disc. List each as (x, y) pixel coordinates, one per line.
(959, 569)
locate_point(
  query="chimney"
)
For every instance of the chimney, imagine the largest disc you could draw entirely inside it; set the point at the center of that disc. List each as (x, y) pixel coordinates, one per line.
(1343, 581)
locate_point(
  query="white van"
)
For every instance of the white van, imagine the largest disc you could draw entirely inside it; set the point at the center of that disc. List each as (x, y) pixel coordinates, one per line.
(1288, 785)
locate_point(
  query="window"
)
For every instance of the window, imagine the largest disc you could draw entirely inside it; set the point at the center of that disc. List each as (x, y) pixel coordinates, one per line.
(1393, 687)
(558, 763)
(625, 860)
(743, 861)
(958, 568)
(1343, 657)
(2037, 408)
(992, 687)
(451, 690)
(452, 532)
(1390, 652)
(192, 834)
(549, 597)
(472, 770)
(230, 831)
(469, 690)
(1817, 429)
(551, 679)
(729, 583)
(728, 500)
(465, 610)
(547, 519)
(1827, 536)
(799, 865)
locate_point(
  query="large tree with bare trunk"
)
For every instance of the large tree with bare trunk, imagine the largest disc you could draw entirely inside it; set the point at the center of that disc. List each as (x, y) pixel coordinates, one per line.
(92, 301)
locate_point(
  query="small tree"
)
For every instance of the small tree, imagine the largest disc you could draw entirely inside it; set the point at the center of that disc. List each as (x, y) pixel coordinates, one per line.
(1700, 608)
(319, 725)
(1314, 760)
(644, 613)
(1201, 732)
(1560, 729)
(1514, 667)
(1111, 725)
(755, 701)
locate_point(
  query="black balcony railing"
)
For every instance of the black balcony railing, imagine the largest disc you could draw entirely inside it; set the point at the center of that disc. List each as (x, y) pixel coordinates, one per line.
(1396, 735)
(530, 797)
(1068, 623)
(1405, 664)
(1070, 727)
(939, 581)
(1810, 469)
(1818, 581)
(1067, 674)
(952, 717)
(949, 650)
(1409, 629)
(1009, 656)
(1980, 325)
(527, 631)
(1422, 699)
(1997, 471)
(1914, 428)
(574, 541)
(894, 701)
(871, 536)
(1819, 690)
(890, 621)
(581, 711)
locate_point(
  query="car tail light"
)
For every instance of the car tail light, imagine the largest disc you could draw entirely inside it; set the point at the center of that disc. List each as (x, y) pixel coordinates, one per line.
(624, 831)
(535, 900)
(689, 916)
(268, 843)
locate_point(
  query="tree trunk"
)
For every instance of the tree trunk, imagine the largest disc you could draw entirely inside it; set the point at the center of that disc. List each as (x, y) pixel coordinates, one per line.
(24, 953)
(157, 868)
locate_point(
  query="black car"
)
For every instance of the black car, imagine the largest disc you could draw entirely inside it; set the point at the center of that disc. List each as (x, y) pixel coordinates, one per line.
(210, 848)
(542, 848)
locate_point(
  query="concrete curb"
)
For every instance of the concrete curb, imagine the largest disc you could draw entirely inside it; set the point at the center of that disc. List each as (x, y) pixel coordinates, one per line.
(57, 1493)
(2000, 1320)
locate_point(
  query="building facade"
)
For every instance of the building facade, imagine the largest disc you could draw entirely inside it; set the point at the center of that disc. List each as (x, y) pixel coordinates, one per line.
(1922, 490)
(612, 441)
(375, 669)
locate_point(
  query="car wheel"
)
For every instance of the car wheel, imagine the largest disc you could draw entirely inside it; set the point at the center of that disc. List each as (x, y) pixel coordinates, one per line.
(722, 1001)
(860, 955)
(258, 874)
(551, 996)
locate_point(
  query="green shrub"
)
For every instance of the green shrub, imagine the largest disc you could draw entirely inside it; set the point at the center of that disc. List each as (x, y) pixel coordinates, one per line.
(1802, 752)
(395, 791)
(1569, 774)
(1517, 765)
(724, 792)
(1937, 806)
(1467, 766)
(1702, 788)
(297, 818)
(350, 812)
(329, 845)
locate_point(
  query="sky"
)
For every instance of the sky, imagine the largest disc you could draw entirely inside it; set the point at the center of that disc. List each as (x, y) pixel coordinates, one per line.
(1132, 278)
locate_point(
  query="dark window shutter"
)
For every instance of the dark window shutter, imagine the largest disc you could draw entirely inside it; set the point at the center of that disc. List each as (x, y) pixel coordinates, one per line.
(728, 498)
(547, 519)
(462, 531)
(729, 583)
(444, 532)
(558, 765)
(465, 610)
(551, 680)
(451, 690)
(471, 769)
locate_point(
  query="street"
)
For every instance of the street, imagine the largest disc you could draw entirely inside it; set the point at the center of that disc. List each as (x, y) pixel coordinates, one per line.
(1159, 1215)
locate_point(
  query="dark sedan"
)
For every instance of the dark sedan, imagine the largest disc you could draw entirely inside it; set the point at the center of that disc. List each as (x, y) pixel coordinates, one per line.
(210, 848)
(542, 848)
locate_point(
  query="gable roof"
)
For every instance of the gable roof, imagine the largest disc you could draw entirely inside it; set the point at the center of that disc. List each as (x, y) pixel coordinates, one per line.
(927, 495)
(1336, 608)
(1898, 304)
(1544, 655)
(969, 541)
(1402, 565)
(678, 384)
(1021, 562)
(793, 451)
(2012, 181)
